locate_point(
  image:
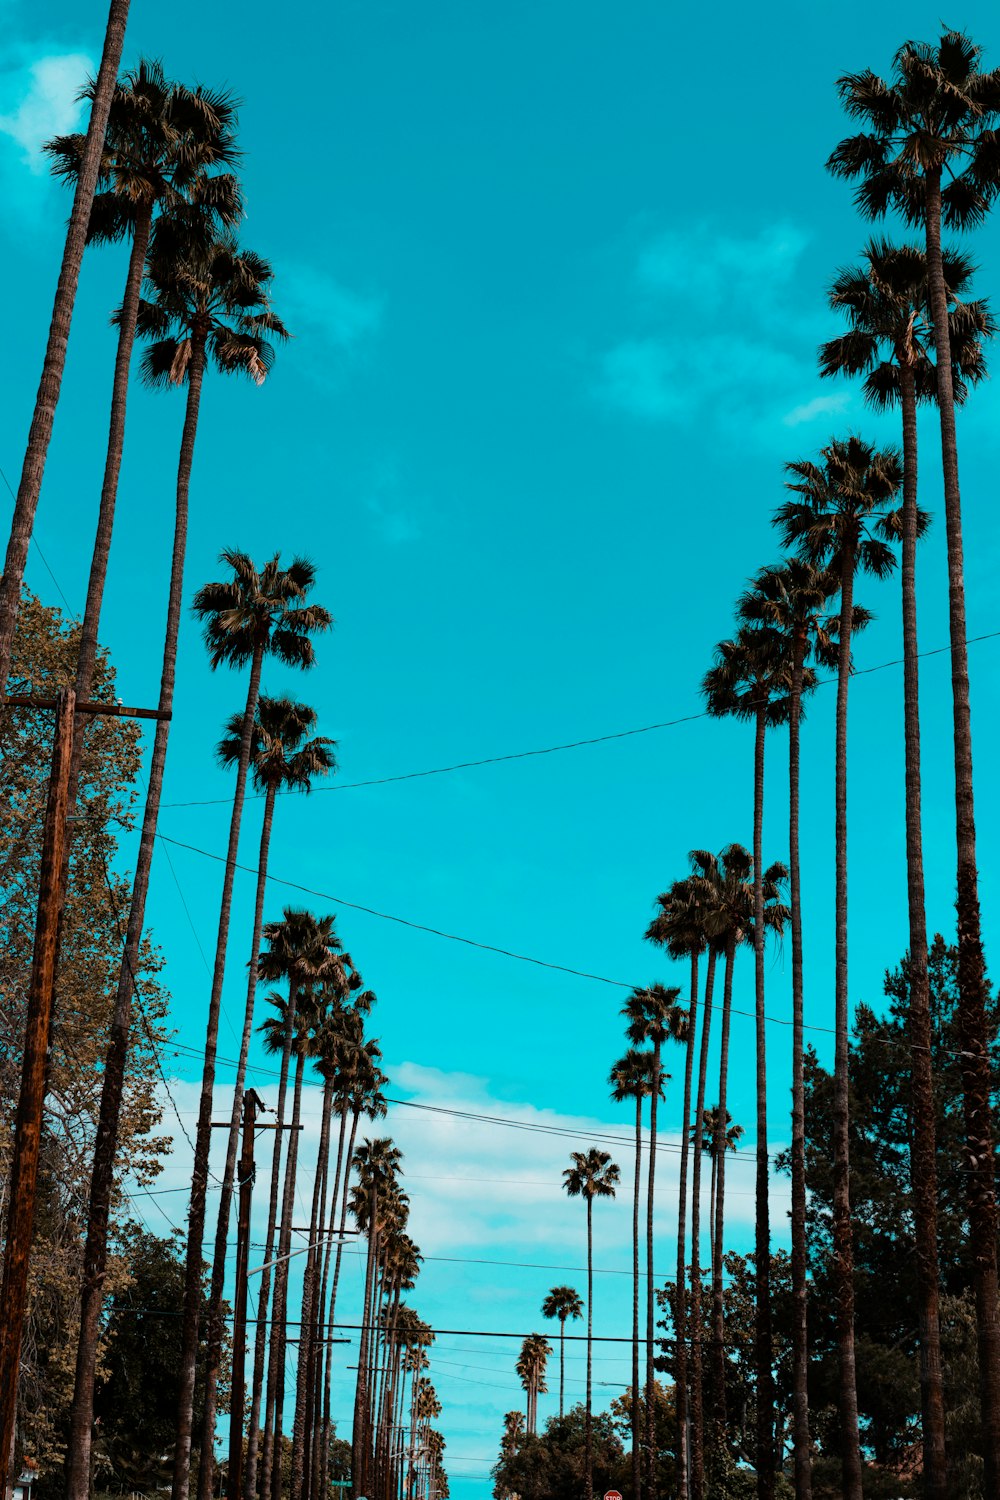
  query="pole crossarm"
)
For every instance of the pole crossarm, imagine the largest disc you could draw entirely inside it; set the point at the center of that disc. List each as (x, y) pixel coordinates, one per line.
(115, 710)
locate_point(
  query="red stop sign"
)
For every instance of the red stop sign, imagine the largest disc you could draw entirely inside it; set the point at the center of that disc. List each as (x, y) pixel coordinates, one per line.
(612, 1495)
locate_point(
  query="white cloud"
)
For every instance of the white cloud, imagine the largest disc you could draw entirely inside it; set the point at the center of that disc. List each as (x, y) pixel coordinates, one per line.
(316, 303)
(819, 406)
(40, 100)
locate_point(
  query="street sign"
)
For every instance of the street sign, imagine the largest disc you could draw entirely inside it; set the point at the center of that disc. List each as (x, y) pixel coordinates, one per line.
(612, 1495)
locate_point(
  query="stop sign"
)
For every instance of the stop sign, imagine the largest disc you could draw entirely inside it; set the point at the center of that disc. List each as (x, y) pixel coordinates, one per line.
(612, 1495)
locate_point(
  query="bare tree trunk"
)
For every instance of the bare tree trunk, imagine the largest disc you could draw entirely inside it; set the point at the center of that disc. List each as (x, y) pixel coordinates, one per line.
(328, 1365)
(260, 1345)
(680, 1325)
(203, 1136)
(588, 1452)
(800, 1329)
(923, 1163)
(843, 1243)
(357, 1437)
(974, 998)
(306, 1327)
(213, 1354)
(718, 1327)
(54, 363)
(95, 1261)
(762, 1229)
(651, 1281)
(323, 1328)
(697, 1472)
(271, 1464)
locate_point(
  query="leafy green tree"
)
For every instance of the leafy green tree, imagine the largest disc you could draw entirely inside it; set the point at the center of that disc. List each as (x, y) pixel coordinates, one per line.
(554, 1466)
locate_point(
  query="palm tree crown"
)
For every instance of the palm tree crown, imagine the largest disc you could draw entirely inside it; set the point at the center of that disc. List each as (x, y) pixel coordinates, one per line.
(846, 506)
(592, 1175)
(278, 758)
(261, 610)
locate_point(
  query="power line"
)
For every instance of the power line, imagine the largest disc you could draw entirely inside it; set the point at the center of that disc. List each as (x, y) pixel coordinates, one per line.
(599, 739)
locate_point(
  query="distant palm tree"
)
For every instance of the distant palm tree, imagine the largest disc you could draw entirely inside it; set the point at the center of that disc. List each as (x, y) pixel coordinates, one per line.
(592, 1175)
(929, 152)
(727, 888)
(378, 1167)
(678, 927)
(530, 1367)
(54, 364)
(890, 341)
(632, 1078)
(792, 598)
(749, 680)
(732, 1134)
(562, 1302)
(653, 1016)
(162, 141)
(844, 509)
(256, 613)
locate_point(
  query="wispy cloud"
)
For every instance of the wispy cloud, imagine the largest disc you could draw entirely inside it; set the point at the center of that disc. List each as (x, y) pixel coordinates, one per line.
(39, 99)
(322, 310)
(393, 515)
(718, 333)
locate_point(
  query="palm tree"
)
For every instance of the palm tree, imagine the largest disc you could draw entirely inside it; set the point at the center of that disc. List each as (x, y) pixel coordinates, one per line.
(54, 363)
(653, 1016)
(279, 761)
(223, 327)
(161, 143)
(530, 1367)
(678, 928)
(254, 614)
(935, 119)
(631, 1078)
(792, 598)
(839, 521)
(301, 949)
(732, 1135)
(592, 1175)
(564, 1302)
(749, 680)
(378, 1168)
(728, 890)
(891, 342)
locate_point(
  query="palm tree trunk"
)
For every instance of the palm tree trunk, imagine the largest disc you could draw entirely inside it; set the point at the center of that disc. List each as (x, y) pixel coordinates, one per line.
(973, 992)
(923, 1164)
(635, 1375)
(328, 1363)
(213, 1354)
(843, 1246)
(113, 1084)
(260, 1344)
(800, 1327)
(650, 1281)
(323, 1329)
(203, 1136)
(54, 363)
(636, 1404)
(317, 1217)
(711, 1203)
(357, 1434)
(697, 1456)
(271, 1465)
(680, 1326)
(762, 1228)
(588, 1450)
(718, 1327)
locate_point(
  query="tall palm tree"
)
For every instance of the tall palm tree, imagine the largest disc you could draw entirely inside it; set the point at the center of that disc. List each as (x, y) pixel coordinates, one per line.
(732, 1135)
(226, 339)
(749, 680)
(378, 1167)
(928, 150)
(256, 613)
(844, 509)
(632, 1078)
(890, 341)
(301, 949)
(653, 1016)
(678, 928)
(727, 888)
(792, 598)
(564, 1302)
(279, 761)
(592, 1175)
(161, 144)
(530, 1366)
(54, 363)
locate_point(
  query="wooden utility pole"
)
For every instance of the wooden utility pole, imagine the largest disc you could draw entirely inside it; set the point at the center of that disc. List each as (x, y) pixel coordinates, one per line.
(34, 1070)
(252, 1104)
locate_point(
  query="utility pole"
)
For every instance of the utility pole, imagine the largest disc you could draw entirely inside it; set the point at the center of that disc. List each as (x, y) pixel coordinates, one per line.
(37, 1034)
(252, 1105)
(34, 1072)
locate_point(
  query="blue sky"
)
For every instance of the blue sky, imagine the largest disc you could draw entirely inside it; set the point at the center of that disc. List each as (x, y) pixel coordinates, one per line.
(555, 274)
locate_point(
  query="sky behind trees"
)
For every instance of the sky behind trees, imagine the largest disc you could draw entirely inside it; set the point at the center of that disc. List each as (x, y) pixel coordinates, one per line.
(556, 278)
